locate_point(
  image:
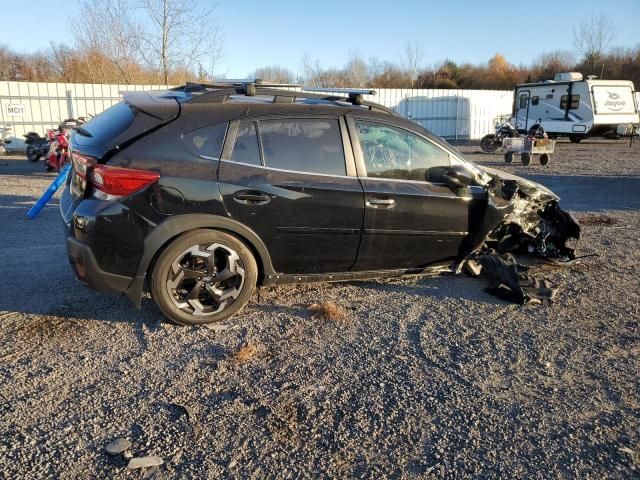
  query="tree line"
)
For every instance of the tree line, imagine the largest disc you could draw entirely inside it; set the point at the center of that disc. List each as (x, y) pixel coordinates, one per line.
(173, 41)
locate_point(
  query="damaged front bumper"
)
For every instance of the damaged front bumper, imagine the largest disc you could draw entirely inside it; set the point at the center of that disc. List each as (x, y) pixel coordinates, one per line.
(521, 217)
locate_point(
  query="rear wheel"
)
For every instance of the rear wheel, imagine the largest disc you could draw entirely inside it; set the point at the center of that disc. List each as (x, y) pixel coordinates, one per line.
(204, 276)
(489, 143)
(525, 158)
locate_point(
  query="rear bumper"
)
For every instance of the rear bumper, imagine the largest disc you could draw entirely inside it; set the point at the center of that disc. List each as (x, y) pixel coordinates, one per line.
(88, 271)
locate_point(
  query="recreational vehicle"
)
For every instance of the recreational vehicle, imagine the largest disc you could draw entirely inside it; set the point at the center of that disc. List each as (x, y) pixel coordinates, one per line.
(570, 106)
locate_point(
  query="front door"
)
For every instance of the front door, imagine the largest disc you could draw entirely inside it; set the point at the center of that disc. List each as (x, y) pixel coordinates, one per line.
(411, 218)
(522, 110)
(287, 179)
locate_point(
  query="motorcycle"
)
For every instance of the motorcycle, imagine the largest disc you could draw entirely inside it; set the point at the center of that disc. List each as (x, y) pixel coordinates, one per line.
(37, 146)
(58, 153)
(491, 142)
(3, 139)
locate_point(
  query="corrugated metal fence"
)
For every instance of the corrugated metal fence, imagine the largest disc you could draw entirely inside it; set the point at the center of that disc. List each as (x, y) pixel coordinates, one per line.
(453, 114)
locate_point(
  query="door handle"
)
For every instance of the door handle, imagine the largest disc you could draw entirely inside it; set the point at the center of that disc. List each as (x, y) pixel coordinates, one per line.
(381, 202)
(251, 197)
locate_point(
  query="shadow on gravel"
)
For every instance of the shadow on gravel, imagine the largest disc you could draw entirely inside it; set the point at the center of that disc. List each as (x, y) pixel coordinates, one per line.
(456, 287)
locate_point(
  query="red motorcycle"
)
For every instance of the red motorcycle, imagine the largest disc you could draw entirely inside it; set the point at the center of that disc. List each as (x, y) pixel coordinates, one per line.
(59, 147)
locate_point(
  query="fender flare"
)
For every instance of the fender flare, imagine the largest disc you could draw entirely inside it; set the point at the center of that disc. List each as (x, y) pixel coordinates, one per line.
(179, 224)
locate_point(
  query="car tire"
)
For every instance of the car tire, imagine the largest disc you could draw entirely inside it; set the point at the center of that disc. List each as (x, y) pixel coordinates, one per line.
(525, 158)
(574, 139)
(183, 280)
(508, 157)
(544, 159)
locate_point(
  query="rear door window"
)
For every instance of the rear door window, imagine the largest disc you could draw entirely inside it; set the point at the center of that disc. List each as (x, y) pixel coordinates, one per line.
(206, 142)
(246, 148)
(303, 145)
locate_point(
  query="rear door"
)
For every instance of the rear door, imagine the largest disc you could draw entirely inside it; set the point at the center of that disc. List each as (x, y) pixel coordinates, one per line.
(293, 181)
(411, 218)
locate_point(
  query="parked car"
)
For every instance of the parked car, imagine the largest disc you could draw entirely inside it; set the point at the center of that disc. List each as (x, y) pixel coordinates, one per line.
(205, 191)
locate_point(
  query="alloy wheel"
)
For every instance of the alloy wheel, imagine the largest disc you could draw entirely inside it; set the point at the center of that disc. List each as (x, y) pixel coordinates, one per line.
(205, 279)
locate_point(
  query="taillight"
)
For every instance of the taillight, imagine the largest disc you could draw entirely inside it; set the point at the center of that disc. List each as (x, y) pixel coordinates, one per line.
(81, 163)
(120, 181)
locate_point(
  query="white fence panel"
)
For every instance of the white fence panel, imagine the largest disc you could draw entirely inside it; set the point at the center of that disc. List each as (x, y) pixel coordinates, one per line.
(45, 105)
(452, 114)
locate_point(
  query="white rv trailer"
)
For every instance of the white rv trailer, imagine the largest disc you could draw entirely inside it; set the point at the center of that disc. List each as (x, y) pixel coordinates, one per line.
(573, 107)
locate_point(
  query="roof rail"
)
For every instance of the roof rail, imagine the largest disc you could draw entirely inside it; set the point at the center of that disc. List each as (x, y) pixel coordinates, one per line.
(248, 86)
(221, 93)
(354, 95)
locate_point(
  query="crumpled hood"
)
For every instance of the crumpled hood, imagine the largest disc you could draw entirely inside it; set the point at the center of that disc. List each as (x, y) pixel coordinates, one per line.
(527, 186)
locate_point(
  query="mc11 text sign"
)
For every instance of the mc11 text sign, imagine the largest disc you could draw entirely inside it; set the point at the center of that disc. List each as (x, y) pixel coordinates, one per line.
(15, 110)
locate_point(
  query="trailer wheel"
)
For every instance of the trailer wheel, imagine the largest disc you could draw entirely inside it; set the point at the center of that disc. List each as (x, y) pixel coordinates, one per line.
(508, 157)
(574, 139)
(525, 158)
(544, 159)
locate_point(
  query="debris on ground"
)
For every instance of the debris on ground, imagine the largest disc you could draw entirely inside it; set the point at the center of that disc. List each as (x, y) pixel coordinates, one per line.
(117, 446)
(191, 415)
(596, 219)
(327, 311)
(246, 353)
(144, 462)
(509, 280)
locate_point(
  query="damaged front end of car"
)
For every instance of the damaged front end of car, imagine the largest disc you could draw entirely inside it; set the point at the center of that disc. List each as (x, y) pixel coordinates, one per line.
(520, 218)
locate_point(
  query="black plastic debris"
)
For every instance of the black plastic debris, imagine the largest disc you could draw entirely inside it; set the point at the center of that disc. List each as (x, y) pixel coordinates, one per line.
(509, 280)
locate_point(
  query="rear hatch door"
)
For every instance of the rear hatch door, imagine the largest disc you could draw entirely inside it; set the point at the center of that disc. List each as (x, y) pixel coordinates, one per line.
(120, 125)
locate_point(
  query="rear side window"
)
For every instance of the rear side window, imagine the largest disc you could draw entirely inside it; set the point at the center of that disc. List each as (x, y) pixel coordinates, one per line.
(304, 145)
(206, 142)
(575, 102)
(246, 148)
(391, 152)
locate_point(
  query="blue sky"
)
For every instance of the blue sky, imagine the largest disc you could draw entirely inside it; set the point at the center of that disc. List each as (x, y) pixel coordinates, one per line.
(259, 33)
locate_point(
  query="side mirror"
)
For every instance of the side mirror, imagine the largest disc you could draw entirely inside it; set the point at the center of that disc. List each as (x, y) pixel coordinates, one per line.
(456, 176)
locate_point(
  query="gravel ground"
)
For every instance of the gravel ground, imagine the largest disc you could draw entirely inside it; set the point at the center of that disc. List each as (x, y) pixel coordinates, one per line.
(423, 378)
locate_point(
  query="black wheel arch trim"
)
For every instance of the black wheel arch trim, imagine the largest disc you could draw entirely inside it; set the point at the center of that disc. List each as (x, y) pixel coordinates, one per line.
(179, 224)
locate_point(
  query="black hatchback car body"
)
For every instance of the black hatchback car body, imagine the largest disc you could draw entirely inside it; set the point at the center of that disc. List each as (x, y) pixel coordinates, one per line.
(206, 191)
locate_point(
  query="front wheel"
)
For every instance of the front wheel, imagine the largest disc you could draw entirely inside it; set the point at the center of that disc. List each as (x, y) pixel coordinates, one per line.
(508, 157)
(490, 143)
(204, 276)
(32, 153)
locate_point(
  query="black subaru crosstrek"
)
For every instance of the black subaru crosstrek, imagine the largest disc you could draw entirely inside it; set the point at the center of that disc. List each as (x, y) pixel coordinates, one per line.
(203, 192)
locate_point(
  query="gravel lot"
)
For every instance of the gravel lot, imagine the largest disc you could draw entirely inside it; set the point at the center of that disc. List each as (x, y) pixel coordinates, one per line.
(424, 378)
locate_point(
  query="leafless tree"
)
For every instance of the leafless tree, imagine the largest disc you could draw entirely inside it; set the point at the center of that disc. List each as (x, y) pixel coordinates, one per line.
(412, 58)
(356, 71)
(274, 73)
(180, 35)
(593, 37)
(109, 27)
(548, 64)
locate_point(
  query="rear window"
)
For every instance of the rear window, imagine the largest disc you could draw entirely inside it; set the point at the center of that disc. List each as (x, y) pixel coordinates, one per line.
(107, 125)
(303, 145)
